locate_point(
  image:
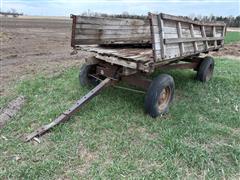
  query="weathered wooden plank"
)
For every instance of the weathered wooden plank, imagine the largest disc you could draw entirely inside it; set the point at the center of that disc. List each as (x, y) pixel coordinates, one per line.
(204, 36)
(118, 61)
(113, 32)
(115, 41)
(171, 32)
(129, 54)
(153, 29)
(154, 20)
(113, 37)
(186, 45)
(109, 30)
(168, 36)
(173, 51)
(181, 45)
(193, 36)
(112, 21)
(161, 33)
(186, 20)
(157, 40)
(183, 40)
(208, 31)
(169, 23)
(201, 46)
(93, 26)
(214, 35)
(197, 30)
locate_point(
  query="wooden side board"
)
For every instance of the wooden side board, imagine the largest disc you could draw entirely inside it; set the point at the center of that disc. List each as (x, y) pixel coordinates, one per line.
(171, 38)
(174, 36)
(108, 30)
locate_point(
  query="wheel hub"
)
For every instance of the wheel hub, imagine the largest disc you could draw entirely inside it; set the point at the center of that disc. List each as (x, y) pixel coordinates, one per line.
(164, 98)
(209, 73)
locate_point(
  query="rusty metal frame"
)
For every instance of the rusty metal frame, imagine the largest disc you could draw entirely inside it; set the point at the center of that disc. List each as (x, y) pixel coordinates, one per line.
(107, 70)
(190, 65)
(68, 113)
(137, 80)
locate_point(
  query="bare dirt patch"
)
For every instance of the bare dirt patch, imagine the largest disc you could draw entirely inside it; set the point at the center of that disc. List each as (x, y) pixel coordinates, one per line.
(86, 159)
(87, 156)
(31, 46)
(230, 50)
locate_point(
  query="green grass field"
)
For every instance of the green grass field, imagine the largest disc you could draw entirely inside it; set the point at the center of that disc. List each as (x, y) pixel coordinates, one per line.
(112, 137)
(232, 37)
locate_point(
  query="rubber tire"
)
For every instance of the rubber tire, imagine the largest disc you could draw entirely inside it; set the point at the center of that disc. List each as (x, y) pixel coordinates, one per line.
(151, 99)
(84, 78)
(207, 62)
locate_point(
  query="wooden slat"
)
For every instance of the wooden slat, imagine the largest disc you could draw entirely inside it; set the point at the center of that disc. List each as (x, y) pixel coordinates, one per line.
(181, 45)
(112, 21)
(192, 34)
(98, 30)
(116, 60)
(113, 32)
(161, 33)
(169, 36)
(214, 35)
(173, 31)
(113, 37)
(96, 26)
(129, 54)
(155, 36)
(115, 41)
(183, 40)
(204, 36)
(186, 46)
(186, 20)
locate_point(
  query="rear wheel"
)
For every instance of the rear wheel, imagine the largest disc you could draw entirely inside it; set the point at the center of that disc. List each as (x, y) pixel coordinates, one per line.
(205, 70)
(159, 95)
(85, 77)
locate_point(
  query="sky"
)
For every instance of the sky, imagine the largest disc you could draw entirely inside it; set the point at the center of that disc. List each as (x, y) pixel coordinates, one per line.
(139, 7)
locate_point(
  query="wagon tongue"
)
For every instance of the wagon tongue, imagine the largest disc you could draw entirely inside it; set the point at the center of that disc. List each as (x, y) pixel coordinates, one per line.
(67, 114)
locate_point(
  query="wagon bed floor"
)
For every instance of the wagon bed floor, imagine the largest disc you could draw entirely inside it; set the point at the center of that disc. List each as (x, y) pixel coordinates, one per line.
(140, 54)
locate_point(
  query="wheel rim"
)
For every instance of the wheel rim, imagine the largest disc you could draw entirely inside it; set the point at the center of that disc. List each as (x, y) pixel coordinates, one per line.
(164, 98)
(209, 72)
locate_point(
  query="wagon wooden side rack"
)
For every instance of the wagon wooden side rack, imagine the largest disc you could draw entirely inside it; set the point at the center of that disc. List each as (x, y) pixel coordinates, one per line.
(127, 49)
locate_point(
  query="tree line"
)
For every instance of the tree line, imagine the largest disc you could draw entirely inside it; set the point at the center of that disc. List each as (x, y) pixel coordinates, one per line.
(231, 21)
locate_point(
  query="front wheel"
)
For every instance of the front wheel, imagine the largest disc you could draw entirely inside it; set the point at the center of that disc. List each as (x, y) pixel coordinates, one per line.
(85, 77)
(159, 95)
(205, 70)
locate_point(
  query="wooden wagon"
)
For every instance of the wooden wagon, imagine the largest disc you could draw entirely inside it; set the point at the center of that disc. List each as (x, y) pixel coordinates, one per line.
(127, 49)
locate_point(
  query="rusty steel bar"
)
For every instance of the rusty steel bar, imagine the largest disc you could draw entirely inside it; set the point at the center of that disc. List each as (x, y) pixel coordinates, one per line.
(67, 114)
(137, 80)
(191, 65)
